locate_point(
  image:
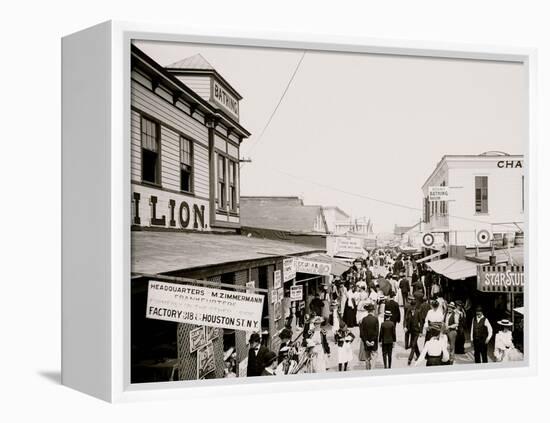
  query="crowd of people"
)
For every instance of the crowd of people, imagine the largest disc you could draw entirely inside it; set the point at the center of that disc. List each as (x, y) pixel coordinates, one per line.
(379, 292)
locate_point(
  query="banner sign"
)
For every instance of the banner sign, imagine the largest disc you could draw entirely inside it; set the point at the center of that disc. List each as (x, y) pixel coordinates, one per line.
(438, 193)
(205, 361)
(313, 267)
(296, 293)
(277, 281)
(289, 269)
(500, 278)
(203, 306)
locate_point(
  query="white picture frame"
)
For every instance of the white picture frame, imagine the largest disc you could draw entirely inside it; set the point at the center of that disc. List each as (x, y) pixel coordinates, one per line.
(96, 326)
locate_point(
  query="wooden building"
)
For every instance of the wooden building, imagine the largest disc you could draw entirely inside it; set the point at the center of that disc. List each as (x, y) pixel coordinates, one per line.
(185, 140)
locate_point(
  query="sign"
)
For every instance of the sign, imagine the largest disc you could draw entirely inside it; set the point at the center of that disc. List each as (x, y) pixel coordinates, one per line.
(205, 361)
(280, 294)
(277, 281)
(155, 208)
(500, 278)
(438, 193)
(348, 245)
(211, 333)
(296, 293)
(274, 295)
(313, 267)
(483, 236)
(428, 240)
(203, 306)
(510, 164)
(289, 269)
(197, 338)
(243, 368)
(223, 98)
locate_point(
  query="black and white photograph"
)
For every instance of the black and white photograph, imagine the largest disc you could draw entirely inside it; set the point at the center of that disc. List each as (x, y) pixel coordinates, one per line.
(308, 212)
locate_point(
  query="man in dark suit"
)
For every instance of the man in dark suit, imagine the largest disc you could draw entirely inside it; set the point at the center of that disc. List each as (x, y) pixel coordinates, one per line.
(413, 328)
(256, 356)
(398, 266)
(368, 332)
(387, 338)
(393, 307)
(405, 289)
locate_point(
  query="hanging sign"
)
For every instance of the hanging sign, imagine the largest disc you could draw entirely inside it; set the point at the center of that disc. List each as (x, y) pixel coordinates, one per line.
(428, 240)
(313, 267)
(277, 280)
(296, 292)
(500, 278)
(205, 361)
(289, 269)
(438, 193)
(204, 306)
(197, 338)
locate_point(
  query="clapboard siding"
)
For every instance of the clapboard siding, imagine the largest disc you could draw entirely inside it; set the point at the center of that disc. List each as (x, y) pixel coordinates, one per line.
(160, 109)
(170, 159)
(135, 147)
(202, 186)
(199, 84)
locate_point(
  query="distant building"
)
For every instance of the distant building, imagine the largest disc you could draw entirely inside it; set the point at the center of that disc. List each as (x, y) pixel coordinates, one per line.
(486, 198)
(339, 222)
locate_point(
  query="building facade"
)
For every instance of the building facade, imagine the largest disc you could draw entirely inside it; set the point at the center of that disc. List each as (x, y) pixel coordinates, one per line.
(486, 195)
(184, 147)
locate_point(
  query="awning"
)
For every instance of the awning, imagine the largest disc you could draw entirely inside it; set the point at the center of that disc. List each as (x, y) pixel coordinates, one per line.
(431, 256)
(520, 310)
(454, 268)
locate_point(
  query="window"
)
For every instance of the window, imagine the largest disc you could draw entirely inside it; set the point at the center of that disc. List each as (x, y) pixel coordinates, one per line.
(482, 195)
(221, 182)
(232, 185)
(150, 164)
(186, 165)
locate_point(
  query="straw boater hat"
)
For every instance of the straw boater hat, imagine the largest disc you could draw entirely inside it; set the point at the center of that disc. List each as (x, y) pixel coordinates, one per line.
(505, 322)
(451, 304)
(387, 313)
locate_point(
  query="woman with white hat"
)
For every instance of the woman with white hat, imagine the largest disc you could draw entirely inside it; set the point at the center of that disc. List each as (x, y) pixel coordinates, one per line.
(320, 350)
(504, 345)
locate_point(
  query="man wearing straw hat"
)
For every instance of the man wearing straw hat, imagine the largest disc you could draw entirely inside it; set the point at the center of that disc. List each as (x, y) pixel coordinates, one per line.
(387, 338)
(452, 319)
(368, 331)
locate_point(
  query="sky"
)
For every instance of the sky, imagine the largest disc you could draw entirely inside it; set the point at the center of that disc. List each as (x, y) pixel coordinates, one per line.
(359, 131)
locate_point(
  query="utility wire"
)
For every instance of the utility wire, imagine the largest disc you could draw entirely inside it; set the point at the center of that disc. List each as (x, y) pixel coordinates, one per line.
(289, 83)
(377, 200)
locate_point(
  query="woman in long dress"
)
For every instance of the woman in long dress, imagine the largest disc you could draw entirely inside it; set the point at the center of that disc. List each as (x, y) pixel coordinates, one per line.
(504, 344)
(350, 307)
(343, 338)
(321, 349)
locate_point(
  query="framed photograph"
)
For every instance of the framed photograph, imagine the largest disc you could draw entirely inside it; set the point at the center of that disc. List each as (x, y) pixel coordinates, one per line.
(387, 186)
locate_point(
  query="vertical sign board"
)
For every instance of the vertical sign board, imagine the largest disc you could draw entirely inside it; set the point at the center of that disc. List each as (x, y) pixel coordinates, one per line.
(296, 293)
(277, 280)
(500, 278)
(243, 367)
(289, 269)
(203, 306)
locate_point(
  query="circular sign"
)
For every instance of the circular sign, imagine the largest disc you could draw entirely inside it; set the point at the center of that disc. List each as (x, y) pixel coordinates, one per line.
(428, 240)
(483, 236)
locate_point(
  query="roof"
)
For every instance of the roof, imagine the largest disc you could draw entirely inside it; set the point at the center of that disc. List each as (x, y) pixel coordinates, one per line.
(337, 209)
(272, 213)
(163, 251)
(193, 62)
(454, 268)
(400, 230)
(501, 256)
(271, 200)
